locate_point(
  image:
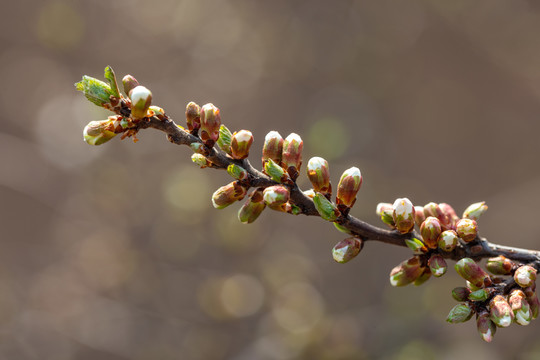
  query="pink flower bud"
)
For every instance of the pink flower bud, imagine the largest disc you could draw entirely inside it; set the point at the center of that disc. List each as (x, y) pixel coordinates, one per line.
(210, 124)
(318, 173)
(276, 195)
(419, 215)
(430, 230)
(423, 277)
(240, 144)
(486, 327)
(348, 187)
(406, 272)
(469, 270)
(228, 194)
(448, 240)
(450, 215)
(437, 265)
(466, 229)
(252, 208)
(193, 116)
(291, 157)
(129, 83)
(403, 215)
(500, 311)
(461, 293)
(273, 147)
(499, 265)
(347, 249)
(520, 307)
(525, 276)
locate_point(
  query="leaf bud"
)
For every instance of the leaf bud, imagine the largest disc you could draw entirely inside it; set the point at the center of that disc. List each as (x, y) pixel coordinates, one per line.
(210, 124)
(460, 313)
(461, 293)
(437, 265)
(419, 215)
(500, 311)
(426, 274)
(275, 171)
(141, 99)
(276, 195)
(98, 132)
(348, 187)
(403, 215)
(273, 147)
(129, 83)
(347, 249)
(327, 210)
(224, 140)
(467, 229)
(479, 295)
(532, 299)
(193, 116)
(475, 210)
(406, 272)
(291, 157)
(111, 78)
(430, 231)
(486, 327)
(448, 240)
(520, 307)
(228, 194)
(318, 173)
(240, 144)
(200, 160)
(499, 265)
(96, 91)
(468, 269)
(252, 208)
(237, 172)
(416, 245)
(525, 276)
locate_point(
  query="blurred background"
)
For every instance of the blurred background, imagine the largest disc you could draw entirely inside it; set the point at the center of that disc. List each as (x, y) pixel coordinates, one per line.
(115, 252)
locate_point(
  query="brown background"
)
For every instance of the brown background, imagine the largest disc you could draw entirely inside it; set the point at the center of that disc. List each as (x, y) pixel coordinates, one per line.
(115, 252)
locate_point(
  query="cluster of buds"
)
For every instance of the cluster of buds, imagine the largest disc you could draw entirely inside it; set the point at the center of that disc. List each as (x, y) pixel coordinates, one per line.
(130, 109)
(497, 303)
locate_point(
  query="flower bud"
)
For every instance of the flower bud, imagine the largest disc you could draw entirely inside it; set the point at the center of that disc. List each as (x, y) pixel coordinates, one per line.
(386, 213)
(95, 90)
(416, 245)
(520, 307)
(468, 269)
(461, 293)
(404, 215)
(348, 187)
(291, 157)
(448, 240)
(276, 195)
(252, 208)
(111, 78)
(327, 210)
(532, 299)
(460, 313)
(437, 265)
(273, 147)
(129, 83)
(525, 276)
(406, 272)
(486, 327)
(228, 194)
(479, 295)
(426, 274)
(200, 160)
(450, 214)
(419, 215)
(318, 173)
(475, 210)
(224, 140)
(237, 172)
(98, 132)
(309, 193)
(430, 230)
(141, 99)
(500, 311)
(275, 171)
(193, 116)
(467, 229)
(499, 265)
(433, 209)
(347, 249)
(210, 124)
(240, 144)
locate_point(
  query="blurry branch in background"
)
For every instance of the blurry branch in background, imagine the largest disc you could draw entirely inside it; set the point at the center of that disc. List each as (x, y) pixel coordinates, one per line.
(506, 296)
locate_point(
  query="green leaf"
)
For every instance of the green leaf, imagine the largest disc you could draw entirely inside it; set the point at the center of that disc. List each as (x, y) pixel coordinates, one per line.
(326, 208)
(224, 140)
(96, 91)
(414, 244)
(273, 170)
(109, 75)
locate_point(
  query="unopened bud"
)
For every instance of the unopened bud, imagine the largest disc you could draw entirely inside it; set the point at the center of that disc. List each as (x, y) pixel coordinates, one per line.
(479, 295)
(275, 171)
(499, 265)
(404, 215)
(237, 172)
(291, 157)
(252, 208)
(210, 124)
(348, 187)
(98, 132)
(228, 194)
(327, 210)
(141, 99)
(273, 147)
(95, 90)
(416, 245)
(198, 148)
(460, 313)
(129, 83)
(419, 215)
(240, 144)
(467, 229)
(437, 265)
(486, 327)
(386, 213)
(461, 293)
(193, 116)
(468, 269)
(224, 140)
(500, 311)
(318, 173)
(309, 193)
(534, 303)
(347, 249)
(276, 195)
(433, 209)
(430, 230)
(475, 210)
(525, 276)
(426, 274)
(520, 307)
(406, 272)
(448, 240)
(200, 160)
(450, 215)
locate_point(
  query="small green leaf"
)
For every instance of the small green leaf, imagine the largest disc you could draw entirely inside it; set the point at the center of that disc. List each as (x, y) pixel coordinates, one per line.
(273, 170)
(414, 244)
(95, 90)
(109, 75)
(224, 140)
(325, 207)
